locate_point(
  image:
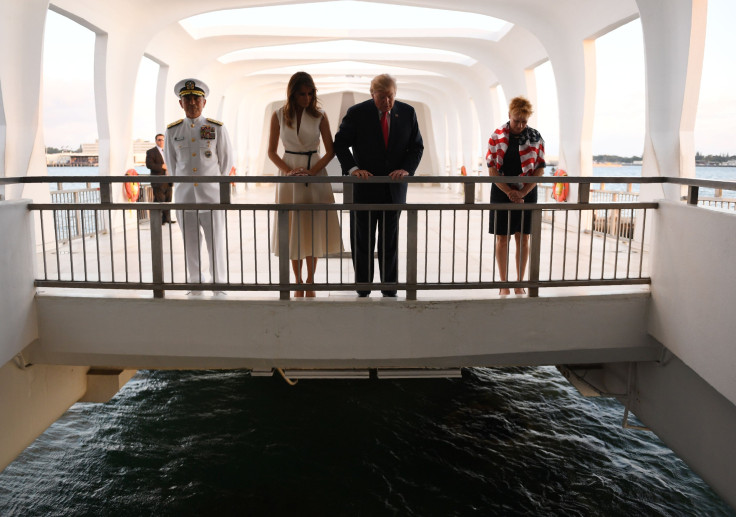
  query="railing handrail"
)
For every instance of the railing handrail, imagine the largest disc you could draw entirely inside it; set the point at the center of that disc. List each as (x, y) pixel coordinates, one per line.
(695, 182)
(344, 206)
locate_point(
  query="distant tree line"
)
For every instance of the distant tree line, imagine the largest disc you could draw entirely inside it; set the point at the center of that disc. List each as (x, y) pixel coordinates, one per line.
(612, 158)
(67, 149)
(704, 159)
(713, 158)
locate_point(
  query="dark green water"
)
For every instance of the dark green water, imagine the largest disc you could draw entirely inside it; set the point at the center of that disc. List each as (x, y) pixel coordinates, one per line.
(513, 441)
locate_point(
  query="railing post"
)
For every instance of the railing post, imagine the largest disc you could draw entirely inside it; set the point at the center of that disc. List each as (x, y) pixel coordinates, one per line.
(283, 244)
(105, 197)
(535, 251)
(469, 193)
(347, 193)
(583, 192)
(157, 252)
(77, 218)
(692, 195)
(411, 254)
(225, 193)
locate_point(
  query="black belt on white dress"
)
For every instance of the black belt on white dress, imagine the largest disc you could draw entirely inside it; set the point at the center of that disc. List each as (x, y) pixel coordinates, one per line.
(308, 154)
(304, 153)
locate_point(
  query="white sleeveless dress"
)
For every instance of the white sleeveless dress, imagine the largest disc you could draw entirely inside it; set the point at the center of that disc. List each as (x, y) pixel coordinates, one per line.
(311, 233)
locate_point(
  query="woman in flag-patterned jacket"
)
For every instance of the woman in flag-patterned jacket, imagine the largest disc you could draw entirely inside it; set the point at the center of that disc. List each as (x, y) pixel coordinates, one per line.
(514, 149)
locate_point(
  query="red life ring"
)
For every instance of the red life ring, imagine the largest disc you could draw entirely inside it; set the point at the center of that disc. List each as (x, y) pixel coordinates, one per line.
(560, 191)
(132, 190)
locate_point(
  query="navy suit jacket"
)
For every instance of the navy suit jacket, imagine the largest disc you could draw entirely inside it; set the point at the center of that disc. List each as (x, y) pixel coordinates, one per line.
(360, 130)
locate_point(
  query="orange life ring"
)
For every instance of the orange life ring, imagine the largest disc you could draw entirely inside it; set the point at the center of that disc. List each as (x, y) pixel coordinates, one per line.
(560, 191)
(132, 190)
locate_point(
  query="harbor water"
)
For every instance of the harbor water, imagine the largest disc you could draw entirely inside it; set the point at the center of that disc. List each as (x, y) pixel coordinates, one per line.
(510, 441)
(502, 441)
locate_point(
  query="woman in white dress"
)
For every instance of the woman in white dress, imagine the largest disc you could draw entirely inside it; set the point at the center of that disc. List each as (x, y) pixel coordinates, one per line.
(299, 124)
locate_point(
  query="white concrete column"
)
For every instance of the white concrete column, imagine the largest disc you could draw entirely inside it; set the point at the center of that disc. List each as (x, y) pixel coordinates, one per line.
(117, 58)
(674, 43)
(497, 111)
(18, 319)
(476, 137)
(588, 112)
(573, 62)
(530, 80)
(21, 34)
(439, 123)
(495, 115)
(513, 82)
(243, 139)
(161, 92)
(467, 136)
(452, 130)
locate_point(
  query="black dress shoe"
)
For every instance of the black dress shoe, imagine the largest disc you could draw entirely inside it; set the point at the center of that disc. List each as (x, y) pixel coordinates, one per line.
(363, 294)
(389, 294)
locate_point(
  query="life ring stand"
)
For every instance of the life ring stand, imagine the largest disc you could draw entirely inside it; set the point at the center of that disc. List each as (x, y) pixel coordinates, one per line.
(561, 191)
(132, 191)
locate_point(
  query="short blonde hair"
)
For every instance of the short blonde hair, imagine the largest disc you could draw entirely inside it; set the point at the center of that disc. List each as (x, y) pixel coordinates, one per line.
(521, 106)
(382, 83)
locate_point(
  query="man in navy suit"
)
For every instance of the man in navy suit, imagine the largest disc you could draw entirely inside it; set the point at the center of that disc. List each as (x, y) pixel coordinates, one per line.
(378, 137)
(162, 192)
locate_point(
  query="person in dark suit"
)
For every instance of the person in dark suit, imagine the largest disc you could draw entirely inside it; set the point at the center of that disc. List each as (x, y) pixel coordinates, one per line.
(162, 192)
(378, 137)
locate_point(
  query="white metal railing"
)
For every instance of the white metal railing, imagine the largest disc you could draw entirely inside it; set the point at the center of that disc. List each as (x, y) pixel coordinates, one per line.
(76, 223)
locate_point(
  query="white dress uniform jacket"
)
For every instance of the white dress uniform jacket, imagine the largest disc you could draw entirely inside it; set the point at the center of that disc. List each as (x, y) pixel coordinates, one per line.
(200, 147)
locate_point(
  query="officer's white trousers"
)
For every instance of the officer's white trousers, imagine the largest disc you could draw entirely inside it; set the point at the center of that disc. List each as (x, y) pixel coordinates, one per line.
(200, 228)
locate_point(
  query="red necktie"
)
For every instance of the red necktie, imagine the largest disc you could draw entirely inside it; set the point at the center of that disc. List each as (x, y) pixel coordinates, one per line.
(384, 127)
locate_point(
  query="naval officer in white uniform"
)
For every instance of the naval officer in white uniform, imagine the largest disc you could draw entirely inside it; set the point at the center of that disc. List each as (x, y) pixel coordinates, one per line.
(199, 146)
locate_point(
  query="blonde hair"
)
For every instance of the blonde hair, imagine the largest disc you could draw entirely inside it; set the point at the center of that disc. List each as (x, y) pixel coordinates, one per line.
(383, 83)
(521, 106)
(297, 81)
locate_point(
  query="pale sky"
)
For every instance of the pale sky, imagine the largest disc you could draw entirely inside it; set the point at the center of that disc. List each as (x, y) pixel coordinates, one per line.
(69, 116)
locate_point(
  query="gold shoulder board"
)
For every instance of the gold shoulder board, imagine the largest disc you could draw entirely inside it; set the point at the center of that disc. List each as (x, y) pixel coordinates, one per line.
(175, 123)
(214, 121)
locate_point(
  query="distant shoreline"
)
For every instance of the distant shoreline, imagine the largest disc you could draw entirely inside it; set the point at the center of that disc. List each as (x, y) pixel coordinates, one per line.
(622, 164)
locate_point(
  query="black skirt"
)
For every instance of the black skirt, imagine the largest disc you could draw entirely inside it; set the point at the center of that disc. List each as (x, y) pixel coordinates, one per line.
(518, 222)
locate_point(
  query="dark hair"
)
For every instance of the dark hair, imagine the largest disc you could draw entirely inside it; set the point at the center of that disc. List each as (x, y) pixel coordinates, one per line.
(297, 81)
